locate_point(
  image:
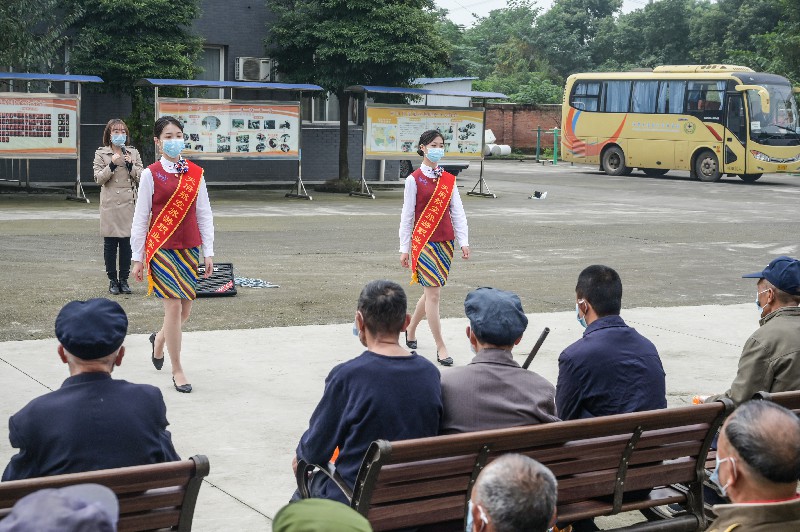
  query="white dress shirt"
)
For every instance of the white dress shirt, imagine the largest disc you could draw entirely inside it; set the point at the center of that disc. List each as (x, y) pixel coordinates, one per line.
(144, 204)
(457, 214)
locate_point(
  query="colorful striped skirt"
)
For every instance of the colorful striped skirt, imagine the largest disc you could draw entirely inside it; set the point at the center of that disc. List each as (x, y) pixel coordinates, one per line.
(173, 273)
(434, 262)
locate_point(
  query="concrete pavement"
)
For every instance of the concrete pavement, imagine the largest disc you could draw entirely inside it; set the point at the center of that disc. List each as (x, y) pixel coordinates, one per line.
(255, 389)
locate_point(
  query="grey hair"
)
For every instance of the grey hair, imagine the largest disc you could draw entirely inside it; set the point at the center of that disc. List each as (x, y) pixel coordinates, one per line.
(517, 493)
(767, 437)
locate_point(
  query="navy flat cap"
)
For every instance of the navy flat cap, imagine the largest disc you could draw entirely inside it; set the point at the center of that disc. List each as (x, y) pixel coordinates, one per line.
(783, 273)
(78, 507)
(91, 329)
(496, 316)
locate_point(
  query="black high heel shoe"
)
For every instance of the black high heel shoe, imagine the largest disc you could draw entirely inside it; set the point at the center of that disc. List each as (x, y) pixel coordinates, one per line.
(157, 362)
(444, 361)
(411, 344)
(183, 388)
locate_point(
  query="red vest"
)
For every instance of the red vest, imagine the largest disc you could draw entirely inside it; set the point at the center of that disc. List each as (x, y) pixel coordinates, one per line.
(187, 235)
(425, 187)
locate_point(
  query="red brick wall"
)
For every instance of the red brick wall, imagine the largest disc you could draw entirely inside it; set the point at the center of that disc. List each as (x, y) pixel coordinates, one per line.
(515, 124)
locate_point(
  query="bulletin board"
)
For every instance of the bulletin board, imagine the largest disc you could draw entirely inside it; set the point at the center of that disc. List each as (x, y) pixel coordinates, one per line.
(392, 131)
(230, 129)
(38, 126)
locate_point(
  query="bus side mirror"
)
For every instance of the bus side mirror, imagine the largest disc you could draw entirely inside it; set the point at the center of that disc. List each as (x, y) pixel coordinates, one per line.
(762, 92)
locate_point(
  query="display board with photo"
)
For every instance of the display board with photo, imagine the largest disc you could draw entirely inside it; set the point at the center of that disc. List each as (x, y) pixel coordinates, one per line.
(235, 129)
(34, 126)
(392, 131)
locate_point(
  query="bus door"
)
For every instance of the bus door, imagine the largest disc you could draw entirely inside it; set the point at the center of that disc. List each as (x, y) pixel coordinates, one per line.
(735, 141)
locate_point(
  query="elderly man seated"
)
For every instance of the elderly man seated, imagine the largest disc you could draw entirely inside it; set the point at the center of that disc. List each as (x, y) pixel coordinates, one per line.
(513, 494)
(758, 465)
(493, 391)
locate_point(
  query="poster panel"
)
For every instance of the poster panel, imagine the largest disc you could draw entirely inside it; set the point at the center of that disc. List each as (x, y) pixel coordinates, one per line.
(229, 129)
(38, 126)
(392, 132)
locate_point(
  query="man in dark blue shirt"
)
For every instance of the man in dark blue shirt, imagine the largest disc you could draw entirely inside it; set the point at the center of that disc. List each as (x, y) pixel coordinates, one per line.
(384, 393)
(612, 369)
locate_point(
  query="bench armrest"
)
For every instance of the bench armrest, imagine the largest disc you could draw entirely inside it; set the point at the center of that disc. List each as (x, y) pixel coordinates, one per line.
(306, 471)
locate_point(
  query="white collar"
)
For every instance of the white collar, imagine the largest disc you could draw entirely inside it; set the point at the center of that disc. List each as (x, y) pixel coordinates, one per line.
(168, 165)
(427, 171)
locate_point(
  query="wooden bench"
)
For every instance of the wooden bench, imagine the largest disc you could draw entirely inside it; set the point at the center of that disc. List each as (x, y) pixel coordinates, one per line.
(151, 497)
(598, 463)
(790, 400)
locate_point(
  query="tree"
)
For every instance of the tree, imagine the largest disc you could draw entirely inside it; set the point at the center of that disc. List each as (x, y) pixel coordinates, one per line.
(338, 43)
(155, 42)
(33, 32)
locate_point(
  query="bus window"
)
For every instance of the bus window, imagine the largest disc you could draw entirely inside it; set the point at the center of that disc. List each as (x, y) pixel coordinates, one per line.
(585, 96)
(617, 96)
(704, 100)
(644, 96)
(734, 119)
(670, 96)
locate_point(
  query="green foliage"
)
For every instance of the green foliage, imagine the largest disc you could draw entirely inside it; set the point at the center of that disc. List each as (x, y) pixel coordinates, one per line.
(522, 87)
(338, 43)
(32, 34)
(123, 41)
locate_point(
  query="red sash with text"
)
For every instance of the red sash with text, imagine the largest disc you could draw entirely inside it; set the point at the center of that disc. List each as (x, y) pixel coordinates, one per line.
(430, 218)
(173, 213)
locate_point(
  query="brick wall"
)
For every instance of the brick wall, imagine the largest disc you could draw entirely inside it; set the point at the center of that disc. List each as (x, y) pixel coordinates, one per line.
(515, 124)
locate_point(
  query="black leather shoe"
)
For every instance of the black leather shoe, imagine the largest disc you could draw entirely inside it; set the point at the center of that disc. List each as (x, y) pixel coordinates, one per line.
(123, 286)
(157, 362)
(113, 287)
(411, 344)
(183, 388)
(444, 361)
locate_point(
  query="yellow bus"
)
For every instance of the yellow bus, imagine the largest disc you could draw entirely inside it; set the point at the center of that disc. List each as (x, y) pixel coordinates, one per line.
(711, 120)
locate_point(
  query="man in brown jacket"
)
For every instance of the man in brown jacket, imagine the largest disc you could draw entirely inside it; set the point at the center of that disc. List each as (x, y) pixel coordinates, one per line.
(770, 360)
(758, 464)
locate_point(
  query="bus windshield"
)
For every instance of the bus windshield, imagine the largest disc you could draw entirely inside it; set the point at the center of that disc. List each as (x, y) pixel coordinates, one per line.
(780, 126)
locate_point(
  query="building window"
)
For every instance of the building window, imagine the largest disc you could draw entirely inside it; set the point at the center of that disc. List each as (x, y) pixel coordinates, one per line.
(321, 108)
(212, 63)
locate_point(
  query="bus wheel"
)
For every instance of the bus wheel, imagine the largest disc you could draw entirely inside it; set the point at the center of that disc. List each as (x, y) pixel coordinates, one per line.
(614, 161)
(654, 172)
(406, 168)
(750, 178)
(706, 166)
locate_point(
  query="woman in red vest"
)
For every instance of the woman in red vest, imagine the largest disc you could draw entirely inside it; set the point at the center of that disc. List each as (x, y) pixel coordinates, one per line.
(432, 218)
(172, 219)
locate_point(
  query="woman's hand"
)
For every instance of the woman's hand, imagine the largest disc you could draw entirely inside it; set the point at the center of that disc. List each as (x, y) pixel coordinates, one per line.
(138, 270)
(128, 158)
(117, 159)
(465, 252)
(209, 261)
(404, 262)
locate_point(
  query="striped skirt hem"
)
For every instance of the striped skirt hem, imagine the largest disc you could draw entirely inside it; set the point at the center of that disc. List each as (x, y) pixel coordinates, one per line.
(433, 265)
(173, 273)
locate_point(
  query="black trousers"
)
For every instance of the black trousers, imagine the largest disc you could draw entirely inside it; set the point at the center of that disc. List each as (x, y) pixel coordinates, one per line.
(110, 245)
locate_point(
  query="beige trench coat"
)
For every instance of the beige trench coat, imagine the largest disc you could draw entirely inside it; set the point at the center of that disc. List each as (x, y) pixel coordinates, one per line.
(117, 201)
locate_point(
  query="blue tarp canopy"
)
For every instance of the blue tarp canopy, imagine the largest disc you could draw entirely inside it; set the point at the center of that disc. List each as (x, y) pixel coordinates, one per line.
(27, 76)
(424, 92)
(204, 83)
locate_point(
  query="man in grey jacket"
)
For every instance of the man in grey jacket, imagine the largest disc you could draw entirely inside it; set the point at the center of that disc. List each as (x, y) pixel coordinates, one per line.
(770, 360)
(493, 391)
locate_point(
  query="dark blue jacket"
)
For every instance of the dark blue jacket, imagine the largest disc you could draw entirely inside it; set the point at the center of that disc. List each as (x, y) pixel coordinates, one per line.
(92, 422)
(368, 398)
(611, 370)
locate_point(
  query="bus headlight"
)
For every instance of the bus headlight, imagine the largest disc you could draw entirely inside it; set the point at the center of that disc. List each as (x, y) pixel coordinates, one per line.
(760, 156)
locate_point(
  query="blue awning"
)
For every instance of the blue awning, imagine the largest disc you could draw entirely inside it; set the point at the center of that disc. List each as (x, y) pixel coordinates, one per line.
(424, 92)
(204, 83)
(28, 76)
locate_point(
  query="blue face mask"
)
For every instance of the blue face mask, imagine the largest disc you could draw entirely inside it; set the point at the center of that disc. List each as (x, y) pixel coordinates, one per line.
(760, 308)
(468, 525)
(714, 478)
(581, 320)
(172, 147)
(119, 140)
(355, 330)
(434, 154)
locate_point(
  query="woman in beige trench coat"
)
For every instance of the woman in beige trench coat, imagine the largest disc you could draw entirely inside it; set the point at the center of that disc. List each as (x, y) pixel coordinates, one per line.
(117, 169)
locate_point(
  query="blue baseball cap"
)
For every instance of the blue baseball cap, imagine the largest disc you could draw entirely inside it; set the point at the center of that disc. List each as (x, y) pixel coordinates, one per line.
(783, 273)
(495, 316)
(91, 329)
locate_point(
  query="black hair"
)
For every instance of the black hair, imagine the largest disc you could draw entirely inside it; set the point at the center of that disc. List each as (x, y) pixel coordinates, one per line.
(383, 305)
(426, 138)
(767, 437)
(602, 288)
(162, 122)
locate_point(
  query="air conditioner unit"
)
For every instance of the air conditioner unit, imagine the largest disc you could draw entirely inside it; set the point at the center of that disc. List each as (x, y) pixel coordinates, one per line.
(254, 69)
